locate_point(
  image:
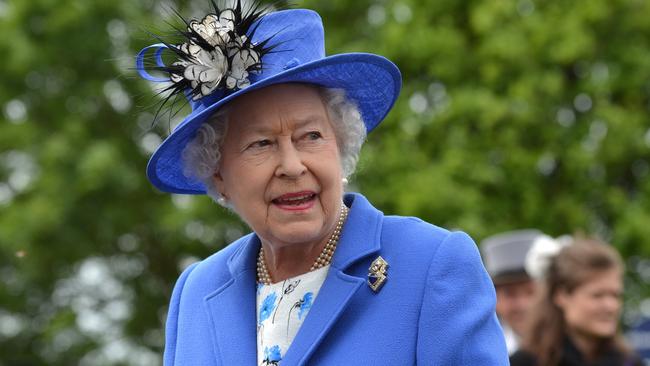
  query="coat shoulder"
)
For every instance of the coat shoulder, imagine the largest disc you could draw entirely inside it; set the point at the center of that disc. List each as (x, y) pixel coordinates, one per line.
(213, 272)
(419, 244)
(411, 227)
(414, 235)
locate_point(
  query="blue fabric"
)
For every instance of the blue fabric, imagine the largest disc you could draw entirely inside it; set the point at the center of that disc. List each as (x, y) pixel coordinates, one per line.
(371, 81)
(140, 64)
(267, 307)
(305, 304)
(272, 354)
(436, 308)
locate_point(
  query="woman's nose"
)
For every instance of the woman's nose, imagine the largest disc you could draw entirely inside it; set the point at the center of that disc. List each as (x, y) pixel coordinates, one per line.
(290, 164)
(614, 303)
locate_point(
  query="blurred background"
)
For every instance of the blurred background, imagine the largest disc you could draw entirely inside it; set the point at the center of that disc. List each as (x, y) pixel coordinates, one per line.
(514, 114)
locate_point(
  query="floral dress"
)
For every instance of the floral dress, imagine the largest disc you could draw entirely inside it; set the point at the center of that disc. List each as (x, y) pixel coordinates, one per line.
(281, 309)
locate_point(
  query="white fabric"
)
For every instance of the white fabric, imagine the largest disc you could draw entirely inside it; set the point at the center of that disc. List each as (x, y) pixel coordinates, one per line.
(281, 309)
(512, 340)
(543, 250)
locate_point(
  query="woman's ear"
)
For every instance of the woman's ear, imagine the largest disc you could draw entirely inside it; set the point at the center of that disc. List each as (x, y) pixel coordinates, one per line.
(218, 183)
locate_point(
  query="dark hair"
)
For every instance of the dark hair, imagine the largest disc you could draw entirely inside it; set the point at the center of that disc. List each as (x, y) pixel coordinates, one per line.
(574, 265)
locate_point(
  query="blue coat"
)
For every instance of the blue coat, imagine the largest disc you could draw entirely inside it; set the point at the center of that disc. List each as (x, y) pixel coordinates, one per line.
(436, 308)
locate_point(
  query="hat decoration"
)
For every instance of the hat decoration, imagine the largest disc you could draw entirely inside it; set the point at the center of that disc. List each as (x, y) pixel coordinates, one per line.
(217, 54)
(543, 250)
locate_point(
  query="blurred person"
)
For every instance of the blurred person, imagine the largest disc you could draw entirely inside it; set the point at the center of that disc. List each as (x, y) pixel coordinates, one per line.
(575, 319)
(324, 278)
(504, 255)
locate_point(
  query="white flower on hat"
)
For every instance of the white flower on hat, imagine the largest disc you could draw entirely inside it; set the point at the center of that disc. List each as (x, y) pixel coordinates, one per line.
(207, 72)
(215, 56)
(216, 53)
(544, 248)
(190, 49)
(242, 60)
(215, 29)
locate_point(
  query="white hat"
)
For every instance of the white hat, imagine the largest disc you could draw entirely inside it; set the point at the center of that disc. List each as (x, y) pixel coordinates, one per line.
(504, 254)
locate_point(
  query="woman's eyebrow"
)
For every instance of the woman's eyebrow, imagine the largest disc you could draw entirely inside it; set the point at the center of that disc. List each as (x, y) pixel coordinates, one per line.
(307, 120)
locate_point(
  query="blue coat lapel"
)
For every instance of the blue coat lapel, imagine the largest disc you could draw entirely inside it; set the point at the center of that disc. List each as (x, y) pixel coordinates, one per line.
(360, 238)
(232, 308)
(332, 299)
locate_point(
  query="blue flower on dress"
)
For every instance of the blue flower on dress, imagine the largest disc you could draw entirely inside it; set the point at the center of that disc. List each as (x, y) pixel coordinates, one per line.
(305, 304)
(267, 307)
(259, 287)
(272, 355)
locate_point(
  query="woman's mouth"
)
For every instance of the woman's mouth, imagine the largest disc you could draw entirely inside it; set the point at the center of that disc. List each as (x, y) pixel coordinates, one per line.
(295, 201)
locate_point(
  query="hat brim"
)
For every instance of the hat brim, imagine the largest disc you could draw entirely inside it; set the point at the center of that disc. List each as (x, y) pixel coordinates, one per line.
(372, 82)
(511, 277)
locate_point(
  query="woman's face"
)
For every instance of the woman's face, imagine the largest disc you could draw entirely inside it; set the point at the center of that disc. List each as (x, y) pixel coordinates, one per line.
(592, 310)
(280, 168)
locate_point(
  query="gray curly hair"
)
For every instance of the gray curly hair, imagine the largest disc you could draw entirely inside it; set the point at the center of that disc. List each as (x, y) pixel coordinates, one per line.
(202, 154)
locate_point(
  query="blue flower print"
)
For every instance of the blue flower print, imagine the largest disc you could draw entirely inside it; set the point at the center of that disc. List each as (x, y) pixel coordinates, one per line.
(259, 288)
(267, 307)
(272, 355)
(305, 304)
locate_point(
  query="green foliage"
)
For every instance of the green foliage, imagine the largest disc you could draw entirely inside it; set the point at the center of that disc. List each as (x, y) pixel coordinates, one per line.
(513, 114)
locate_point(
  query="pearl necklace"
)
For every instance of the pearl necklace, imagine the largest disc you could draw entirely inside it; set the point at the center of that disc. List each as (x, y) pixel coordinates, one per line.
(324, 258)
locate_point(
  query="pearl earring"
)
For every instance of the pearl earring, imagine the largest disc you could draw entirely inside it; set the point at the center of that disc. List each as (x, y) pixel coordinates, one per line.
(345, 181)
(222, 201)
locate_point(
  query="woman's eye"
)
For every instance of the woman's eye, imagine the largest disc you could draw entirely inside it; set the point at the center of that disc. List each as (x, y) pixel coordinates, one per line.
(314, 135)
(260, 143)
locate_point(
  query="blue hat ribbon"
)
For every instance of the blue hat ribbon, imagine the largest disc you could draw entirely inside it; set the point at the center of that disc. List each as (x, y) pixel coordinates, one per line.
(139, 62)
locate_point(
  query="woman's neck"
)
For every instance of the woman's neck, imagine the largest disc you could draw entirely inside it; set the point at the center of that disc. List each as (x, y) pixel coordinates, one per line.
(286, 260)
(589, 346)
(290, 261)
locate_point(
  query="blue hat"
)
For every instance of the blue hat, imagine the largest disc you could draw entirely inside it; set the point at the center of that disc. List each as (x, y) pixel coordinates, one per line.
(295, 39)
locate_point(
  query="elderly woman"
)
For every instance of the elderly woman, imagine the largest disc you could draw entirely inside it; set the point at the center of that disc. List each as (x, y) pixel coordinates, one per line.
(575, 321)
(324, 278)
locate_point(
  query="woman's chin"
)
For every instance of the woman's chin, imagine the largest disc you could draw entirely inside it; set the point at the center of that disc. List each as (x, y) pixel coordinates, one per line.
(604, 331)
(297, 233)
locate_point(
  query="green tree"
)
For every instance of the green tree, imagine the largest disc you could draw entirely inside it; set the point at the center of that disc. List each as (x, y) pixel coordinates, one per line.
(513, 114)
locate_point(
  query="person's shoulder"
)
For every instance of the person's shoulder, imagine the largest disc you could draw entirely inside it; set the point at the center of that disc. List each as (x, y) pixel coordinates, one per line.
(397, 232)
(221, 257)
(636, 361)
(414, 241)
(211, 273)
(630, 358)
(523, 358)
(413, 229)
(415, 234)
(418, 241)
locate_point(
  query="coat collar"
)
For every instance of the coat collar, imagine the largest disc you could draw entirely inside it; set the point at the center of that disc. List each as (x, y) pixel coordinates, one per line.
(361, 234)
(232, 306)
